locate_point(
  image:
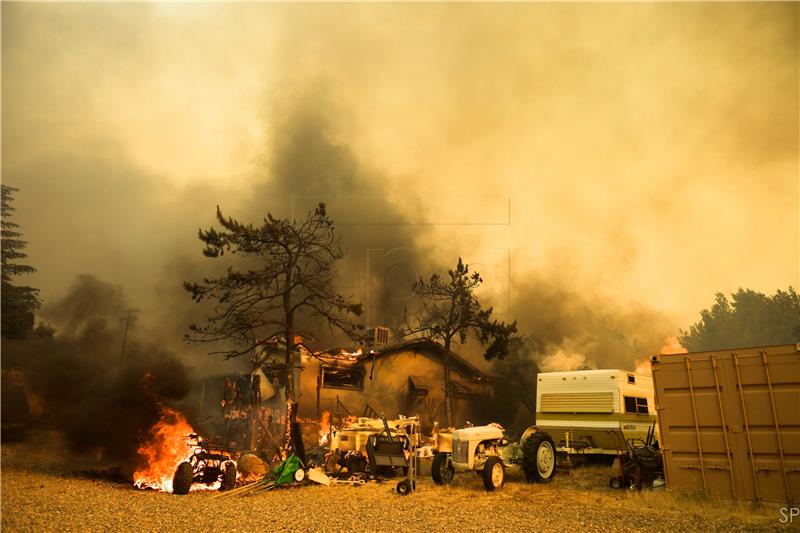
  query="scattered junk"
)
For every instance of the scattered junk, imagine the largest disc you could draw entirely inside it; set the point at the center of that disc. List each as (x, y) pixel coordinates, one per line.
(375, 449)
(289, 471)
(318, 476)
(640, 462)
(580, 408)
(487, 451)
(204, 466)
(729, 421)
(392, 452)
(251, 467)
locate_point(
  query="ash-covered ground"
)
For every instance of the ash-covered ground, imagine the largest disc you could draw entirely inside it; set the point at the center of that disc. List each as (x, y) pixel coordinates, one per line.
(45, 489)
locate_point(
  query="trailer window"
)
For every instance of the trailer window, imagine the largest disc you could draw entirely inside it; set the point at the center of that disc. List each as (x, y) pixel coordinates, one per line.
(636, 405)
(342, 379)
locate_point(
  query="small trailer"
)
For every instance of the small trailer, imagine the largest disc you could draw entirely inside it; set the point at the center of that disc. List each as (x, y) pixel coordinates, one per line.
(579, 408)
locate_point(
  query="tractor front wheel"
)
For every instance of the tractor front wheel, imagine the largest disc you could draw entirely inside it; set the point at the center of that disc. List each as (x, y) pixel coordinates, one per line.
(442, 469)
(494, 474)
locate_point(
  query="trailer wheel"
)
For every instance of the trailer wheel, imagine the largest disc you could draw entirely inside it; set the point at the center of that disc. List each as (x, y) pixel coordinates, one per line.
(539, 457)
(403, 488)
(494, 474)
(182, 481)
(441, 469)
(615, 483)
(229, 476)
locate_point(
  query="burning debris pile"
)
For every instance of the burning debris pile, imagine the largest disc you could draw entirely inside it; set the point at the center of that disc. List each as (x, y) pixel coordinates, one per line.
(363, 450)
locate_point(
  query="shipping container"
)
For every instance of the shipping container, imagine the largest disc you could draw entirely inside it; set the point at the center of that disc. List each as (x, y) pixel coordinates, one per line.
(730, 421)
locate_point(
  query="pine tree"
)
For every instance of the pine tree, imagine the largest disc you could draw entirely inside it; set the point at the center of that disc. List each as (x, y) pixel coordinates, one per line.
(450, 311)
(289, 282)
(18, 302)
(748, 318)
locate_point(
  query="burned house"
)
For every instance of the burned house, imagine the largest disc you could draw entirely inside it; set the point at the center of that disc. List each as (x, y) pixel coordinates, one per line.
(400, 378)
(404, 378)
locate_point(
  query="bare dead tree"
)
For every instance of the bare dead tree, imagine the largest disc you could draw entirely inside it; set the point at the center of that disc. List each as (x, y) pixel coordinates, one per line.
(290, 282)
(450, 310)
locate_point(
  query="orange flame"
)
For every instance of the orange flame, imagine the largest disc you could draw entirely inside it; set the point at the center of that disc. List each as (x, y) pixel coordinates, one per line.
(162, 450)
(324, 427)
(672, 345)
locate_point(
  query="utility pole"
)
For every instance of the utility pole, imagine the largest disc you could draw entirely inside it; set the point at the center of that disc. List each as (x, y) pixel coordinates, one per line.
(129, 317)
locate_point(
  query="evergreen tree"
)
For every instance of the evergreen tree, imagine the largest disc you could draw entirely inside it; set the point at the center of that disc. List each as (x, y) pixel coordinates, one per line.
(749, 318)
(18, 302)
(290, 282)
(450, 311)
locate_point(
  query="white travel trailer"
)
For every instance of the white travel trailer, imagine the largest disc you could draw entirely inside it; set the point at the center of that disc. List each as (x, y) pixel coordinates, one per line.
(579, 408)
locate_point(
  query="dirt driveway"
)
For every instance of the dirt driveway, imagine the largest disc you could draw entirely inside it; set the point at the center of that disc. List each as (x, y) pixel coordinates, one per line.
(47, 492)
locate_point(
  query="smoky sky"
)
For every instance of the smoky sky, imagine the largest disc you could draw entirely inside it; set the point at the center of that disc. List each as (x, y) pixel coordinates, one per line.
(596, 162)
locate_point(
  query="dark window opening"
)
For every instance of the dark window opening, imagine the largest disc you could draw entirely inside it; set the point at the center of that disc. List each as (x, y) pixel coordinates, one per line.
(418, 386)
(631, 379)
(636, 405)
(333, 378)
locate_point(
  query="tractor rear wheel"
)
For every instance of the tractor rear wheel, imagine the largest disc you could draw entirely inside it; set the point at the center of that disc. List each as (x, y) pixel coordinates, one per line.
(182, 481)
(494, 474)
(441, 469)
(539, 457)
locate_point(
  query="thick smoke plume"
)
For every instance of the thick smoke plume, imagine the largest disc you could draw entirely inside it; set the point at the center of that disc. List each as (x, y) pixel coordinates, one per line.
(570, 330)
(610, 127)
(100, 402)
(309, 162)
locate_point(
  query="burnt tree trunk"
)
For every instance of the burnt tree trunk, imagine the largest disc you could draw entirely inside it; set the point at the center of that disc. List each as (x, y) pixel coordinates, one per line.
(448, 392)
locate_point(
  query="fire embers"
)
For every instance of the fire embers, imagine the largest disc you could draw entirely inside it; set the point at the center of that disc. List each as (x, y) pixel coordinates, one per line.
(166, 445)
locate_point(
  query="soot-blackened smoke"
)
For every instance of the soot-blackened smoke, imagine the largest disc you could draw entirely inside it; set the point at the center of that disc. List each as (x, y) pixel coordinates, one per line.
(97, 399)
(307, 163)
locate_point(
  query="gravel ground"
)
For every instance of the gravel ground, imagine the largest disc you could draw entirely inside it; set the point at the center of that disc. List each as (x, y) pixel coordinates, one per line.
(45, 493)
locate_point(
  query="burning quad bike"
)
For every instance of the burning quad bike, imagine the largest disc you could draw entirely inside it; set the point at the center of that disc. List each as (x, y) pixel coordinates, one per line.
(204, 467)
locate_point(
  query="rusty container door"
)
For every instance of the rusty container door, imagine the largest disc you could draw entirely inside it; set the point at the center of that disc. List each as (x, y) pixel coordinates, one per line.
(730, 421)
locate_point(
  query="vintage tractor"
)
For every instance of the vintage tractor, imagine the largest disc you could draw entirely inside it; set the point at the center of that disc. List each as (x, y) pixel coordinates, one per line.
(486, 451)
(204, 466)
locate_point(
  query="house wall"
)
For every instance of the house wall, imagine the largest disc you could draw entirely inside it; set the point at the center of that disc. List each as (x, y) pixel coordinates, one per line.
(388, 391)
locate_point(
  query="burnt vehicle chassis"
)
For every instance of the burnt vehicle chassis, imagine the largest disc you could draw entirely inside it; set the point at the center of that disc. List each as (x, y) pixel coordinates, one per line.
(204, 466)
